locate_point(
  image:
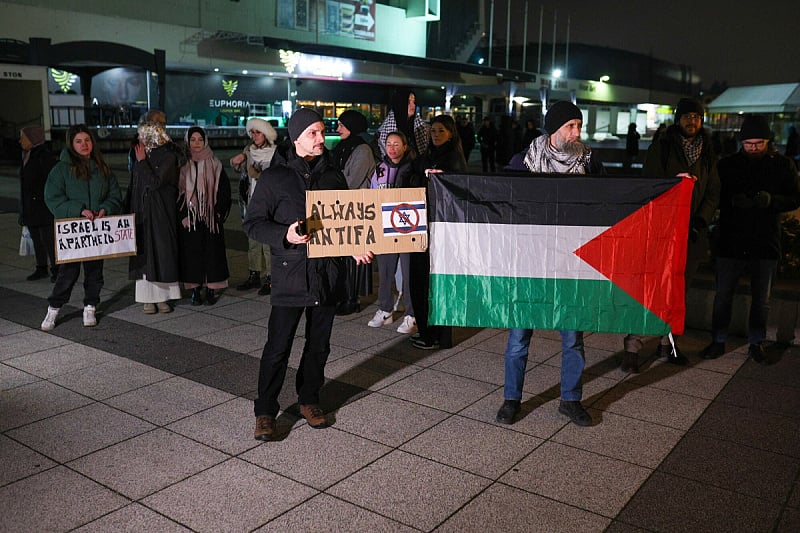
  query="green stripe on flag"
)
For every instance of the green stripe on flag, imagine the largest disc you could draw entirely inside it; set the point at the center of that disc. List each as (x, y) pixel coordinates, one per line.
(535, 303)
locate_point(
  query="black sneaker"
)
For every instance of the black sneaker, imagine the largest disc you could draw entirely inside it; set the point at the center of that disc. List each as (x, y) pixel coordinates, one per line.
(507, 412)
(713, 350)
(756, 352)
(425, 344)
(39, 273)
(576, 413)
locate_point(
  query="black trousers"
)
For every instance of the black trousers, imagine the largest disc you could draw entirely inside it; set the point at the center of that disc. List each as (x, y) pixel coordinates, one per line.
(44, 245)
(419, 285)
(283, 323)
(67, 276)
(487, 159)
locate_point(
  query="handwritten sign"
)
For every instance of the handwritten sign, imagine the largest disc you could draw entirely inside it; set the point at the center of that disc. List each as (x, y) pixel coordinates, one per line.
(81, 239)
(353, 222)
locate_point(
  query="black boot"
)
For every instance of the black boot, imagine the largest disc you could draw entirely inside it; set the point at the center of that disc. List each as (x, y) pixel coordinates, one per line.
(266, 288)
(253, 281)
(197, 299)
(211, 297)
(39, 273)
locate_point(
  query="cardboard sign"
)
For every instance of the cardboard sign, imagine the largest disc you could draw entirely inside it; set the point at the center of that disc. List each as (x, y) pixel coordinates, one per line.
(383, 221)
(81, 239)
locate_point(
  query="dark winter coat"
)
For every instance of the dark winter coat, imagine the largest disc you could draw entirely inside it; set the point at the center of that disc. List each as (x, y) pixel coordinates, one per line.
(203, 256)
(445, 157)
(67, 195)
(746, 230)
(278, 201)
(665, 159)
(33, 176)
(154, 197)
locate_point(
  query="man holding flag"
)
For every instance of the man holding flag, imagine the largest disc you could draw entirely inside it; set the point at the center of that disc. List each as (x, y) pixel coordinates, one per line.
(559, 152)
(684, 150)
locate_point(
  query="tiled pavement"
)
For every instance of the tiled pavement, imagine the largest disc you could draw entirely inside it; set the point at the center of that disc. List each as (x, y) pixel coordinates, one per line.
(144, 423)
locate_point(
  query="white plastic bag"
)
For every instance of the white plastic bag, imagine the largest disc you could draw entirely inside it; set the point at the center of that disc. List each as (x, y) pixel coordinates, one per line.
(26, 243)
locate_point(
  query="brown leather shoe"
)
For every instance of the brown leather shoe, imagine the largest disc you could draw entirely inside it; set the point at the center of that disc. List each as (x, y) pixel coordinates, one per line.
(265, 427)
(314, 416)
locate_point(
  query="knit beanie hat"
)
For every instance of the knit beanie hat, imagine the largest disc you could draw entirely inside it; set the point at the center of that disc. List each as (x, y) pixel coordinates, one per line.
(300, 120)
(755, 127)
(688, 105)
(35, 135)
(354, 121)
(558, 115)
(259, 124)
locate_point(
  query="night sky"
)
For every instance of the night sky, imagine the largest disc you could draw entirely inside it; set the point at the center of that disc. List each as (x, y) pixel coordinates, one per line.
(743, 43)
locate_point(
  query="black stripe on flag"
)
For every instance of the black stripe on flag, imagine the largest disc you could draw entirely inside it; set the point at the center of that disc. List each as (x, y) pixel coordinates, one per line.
(540, 199)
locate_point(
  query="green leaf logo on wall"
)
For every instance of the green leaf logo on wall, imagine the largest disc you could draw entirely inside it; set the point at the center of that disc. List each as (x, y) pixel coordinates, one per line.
(64, 79)
(230, 87)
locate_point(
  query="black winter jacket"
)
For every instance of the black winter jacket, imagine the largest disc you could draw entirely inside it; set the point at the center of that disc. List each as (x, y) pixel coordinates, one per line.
(278, 201)
(33, 176)
(746, 230)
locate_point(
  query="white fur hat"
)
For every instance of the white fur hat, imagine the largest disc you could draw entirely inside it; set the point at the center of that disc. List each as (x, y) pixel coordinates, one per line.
(259, 124)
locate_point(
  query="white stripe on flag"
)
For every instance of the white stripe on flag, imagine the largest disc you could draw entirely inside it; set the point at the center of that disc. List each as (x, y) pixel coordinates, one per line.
(507, 250)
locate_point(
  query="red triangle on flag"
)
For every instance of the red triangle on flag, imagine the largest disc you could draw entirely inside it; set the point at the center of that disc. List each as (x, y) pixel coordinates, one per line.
(645, 254)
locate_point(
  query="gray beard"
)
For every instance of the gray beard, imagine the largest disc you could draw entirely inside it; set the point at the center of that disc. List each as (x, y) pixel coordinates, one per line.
(572, 148)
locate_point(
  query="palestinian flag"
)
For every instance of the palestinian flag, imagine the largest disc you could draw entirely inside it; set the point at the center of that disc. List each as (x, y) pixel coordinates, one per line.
(570, 252)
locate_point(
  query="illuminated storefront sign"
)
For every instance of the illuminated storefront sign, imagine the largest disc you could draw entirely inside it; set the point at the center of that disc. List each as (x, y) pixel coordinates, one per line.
(329, 67)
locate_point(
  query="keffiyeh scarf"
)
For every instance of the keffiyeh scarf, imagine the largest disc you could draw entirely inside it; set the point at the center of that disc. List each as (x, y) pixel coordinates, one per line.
(542, 157)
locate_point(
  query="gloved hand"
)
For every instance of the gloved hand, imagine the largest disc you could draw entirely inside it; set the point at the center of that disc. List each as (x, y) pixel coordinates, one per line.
(762, 199)
(742, 201)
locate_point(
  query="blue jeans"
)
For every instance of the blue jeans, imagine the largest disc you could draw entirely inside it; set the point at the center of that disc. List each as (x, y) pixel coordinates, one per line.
(572, 363)
(729, 270)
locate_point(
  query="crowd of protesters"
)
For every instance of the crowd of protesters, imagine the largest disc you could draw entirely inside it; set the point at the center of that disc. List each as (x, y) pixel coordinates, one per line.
(181, 197)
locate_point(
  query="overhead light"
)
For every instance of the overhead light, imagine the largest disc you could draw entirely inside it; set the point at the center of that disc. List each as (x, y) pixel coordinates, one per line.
(480, 61)
(557, 72)
(604, 78)
(216, 69)
(244, 71)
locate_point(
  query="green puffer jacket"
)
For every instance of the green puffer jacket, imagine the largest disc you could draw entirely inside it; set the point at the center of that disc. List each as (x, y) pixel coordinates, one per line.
(67, 195)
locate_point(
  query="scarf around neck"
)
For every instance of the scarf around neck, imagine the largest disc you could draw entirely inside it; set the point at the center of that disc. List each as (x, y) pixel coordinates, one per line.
(199, 181)
(542, 157)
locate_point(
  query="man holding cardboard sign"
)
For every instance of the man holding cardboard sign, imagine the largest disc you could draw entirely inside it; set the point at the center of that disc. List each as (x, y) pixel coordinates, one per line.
(301, 285)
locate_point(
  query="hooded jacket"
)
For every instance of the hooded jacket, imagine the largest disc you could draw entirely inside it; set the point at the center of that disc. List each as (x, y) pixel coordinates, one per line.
(67, 195)
(278, 201)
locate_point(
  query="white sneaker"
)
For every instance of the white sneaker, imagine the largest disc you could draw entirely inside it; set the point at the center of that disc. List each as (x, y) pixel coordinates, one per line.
(398, 302)
(49, 321)
(409, 325)
(89, 319)
(381, 318)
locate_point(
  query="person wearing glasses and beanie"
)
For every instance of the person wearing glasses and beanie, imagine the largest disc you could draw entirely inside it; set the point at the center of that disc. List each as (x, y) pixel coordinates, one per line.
(758, 184)
(684, 150)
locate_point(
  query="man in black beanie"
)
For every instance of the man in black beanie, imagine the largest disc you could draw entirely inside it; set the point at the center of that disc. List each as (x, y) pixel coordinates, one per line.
(758, 184)
(684, 150)
(301, 285)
